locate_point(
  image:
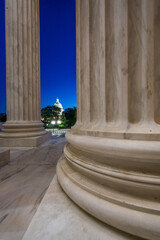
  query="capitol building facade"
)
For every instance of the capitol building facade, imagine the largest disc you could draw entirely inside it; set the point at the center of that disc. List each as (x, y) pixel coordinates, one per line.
(59, 105)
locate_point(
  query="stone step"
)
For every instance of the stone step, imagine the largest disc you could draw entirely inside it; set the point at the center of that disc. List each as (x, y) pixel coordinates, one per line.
(4, 157)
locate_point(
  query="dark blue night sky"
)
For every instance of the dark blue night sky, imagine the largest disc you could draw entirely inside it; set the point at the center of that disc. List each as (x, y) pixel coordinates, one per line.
(58, 53)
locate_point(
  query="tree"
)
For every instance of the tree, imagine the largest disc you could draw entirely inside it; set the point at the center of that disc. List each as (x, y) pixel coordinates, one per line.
(3, 117)
(64, 123)
(50, 113)
(47, 114)
(69, 117)
(56, 111)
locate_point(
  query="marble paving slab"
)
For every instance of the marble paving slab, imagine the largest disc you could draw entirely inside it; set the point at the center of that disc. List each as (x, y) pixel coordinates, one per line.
(58, 218)
(23, 184)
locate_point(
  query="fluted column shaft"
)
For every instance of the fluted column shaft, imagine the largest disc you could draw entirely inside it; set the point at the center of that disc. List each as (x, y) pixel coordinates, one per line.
(111, 164)
(117, 68)
(102, 64)
(22, 69)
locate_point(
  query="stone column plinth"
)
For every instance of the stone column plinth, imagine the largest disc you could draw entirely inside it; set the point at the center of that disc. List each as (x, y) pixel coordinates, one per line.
(111, 164)
(23, 126)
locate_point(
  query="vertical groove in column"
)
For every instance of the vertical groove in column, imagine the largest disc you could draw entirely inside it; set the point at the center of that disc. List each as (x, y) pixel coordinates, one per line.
(148, 60)
(123, 59)
(38, 53)
(78, 60)
(34, 57)
(34, 60)
(7, 29)
(94, 45)
(15, 62)
(37, 62)
(25, 56)
(116, 61)
(141, 60)
(97, 59)
(135, 60)
(30, 59)
(157, 61)
(28, 74)
(102, 85)
(85, 61)
(18, 90)
(20, 59)
(11, 60)
(110, 41)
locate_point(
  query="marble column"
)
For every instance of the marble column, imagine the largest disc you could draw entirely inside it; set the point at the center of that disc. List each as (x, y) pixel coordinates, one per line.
(22, 74)
(111, 164)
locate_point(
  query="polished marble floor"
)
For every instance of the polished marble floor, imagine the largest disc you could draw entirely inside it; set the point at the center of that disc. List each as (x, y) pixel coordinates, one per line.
(58, 218)
(23, 184)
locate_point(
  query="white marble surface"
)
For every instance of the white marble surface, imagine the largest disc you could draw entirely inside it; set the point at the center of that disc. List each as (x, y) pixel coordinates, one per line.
(111, 165)
(23, 184)
(59, 218)
(23, 127)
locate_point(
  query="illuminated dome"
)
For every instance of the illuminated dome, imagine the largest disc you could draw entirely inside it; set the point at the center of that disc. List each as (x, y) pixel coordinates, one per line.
(59, 105)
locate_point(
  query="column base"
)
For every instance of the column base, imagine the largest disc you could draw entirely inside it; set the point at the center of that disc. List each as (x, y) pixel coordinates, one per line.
(116, 181)
(24, 142)
(23, 134)
(59, 218)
